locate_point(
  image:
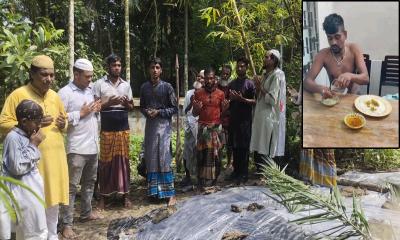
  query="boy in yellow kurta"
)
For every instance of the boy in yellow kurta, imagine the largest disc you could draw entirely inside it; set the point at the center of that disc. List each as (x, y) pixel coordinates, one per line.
(53, 165)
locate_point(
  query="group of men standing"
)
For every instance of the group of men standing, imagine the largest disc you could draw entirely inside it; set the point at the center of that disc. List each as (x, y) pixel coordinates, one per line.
(75, 110)
(242, 115)
(77, 107)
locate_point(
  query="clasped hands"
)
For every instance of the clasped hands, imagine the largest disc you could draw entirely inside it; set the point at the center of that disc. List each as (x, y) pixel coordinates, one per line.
(123, 100)
(152, 112)
(47, 120)
(198, 105)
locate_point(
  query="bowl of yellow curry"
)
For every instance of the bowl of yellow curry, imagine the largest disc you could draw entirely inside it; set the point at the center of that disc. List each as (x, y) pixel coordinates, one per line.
(355, 120)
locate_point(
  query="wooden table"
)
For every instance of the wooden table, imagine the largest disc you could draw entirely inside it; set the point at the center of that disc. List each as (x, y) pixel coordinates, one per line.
(324, 126)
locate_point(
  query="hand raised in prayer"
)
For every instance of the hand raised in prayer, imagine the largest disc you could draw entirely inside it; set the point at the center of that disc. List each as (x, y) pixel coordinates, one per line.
(60, 121)
(86, 109)
(115, 100)
(225, 105)
(126, 102)
(96, 106)
(46, 121)
(235, 95)
(37, 137)
(197, 106)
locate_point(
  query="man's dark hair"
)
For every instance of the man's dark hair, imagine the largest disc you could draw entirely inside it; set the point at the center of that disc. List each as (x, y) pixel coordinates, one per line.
(112, 58)
(243, 60)
(227, 66)
(155, 60)
(332, 23)
(33, 70)
(78, 70)
(209, 70)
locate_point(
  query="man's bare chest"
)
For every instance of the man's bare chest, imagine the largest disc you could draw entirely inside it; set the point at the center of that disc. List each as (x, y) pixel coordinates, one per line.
(335, 67)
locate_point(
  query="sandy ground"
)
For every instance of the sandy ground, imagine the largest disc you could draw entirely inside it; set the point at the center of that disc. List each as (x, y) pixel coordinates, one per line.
(140, 206)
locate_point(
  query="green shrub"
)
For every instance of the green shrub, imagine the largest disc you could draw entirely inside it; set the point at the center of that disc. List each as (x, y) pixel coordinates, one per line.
(382, 159)
(136, 146)
(368, 159)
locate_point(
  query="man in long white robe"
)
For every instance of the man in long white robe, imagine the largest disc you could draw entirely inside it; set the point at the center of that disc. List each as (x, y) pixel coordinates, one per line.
(264, 137)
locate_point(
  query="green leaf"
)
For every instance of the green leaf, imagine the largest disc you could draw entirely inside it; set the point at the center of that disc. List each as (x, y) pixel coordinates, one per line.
(10, 59)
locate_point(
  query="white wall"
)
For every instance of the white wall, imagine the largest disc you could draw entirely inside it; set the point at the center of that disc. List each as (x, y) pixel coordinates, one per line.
(374, 26)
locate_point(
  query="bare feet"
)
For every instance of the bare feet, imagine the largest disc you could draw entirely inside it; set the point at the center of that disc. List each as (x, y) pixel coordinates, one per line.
(100, 204)
(94, 215)
(68, 233)
(127, 202)
(229, 165)
(172, 201)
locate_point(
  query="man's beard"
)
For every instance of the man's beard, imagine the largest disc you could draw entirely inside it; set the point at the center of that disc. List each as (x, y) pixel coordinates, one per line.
(210, 87)
(335, 49)
(114, 75)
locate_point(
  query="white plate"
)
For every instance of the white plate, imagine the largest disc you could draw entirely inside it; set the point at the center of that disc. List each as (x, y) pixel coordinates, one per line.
(373, 105)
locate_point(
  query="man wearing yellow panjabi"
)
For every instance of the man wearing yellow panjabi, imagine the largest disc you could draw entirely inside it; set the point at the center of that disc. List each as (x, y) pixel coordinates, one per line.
(53, 165)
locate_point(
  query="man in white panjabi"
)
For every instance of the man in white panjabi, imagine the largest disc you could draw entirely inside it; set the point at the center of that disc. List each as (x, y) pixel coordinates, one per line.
(265, 127)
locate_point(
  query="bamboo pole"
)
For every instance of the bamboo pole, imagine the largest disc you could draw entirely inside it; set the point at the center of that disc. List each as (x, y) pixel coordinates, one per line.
(178, 135)
(244, 38)
(127, 47)
(186, 65)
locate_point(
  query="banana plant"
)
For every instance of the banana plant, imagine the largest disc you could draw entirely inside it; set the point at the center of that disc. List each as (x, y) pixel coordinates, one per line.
(20, 42)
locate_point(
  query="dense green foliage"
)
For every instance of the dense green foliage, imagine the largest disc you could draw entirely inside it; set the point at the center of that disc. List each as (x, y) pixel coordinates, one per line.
(23, 38)
(214, 38)
(368, 159)
(135, 148)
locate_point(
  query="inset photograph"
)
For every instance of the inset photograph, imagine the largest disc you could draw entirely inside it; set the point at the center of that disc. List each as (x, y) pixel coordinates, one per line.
(350, 75)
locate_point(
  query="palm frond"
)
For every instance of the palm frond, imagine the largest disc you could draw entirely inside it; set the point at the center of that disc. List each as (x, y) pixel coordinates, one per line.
(394, 192)
(295, 196)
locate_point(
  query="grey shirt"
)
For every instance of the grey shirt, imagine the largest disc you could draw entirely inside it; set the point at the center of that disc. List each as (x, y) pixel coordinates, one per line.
(105, 89)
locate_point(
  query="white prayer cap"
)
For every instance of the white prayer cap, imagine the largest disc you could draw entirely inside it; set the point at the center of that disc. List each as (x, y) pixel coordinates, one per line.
(83, 64)
(197, 85)
(201, 73)
(275, 53)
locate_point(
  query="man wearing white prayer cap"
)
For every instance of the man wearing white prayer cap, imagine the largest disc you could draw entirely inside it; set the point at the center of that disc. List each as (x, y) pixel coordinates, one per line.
(268, 127)
(83, 64)
(82, 143)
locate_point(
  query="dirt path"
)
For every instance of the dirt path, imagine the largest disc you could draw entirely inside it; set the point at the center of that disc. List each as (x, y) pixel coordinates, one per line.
(97, 230)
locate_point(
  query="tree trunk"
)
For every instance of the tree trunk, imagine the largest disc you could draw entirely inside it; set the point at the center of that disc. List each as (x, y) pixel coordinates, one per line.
(109, 39)
(127, 47)
(178, 133)
(156, 33)
(186, 67)
(71, 37)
